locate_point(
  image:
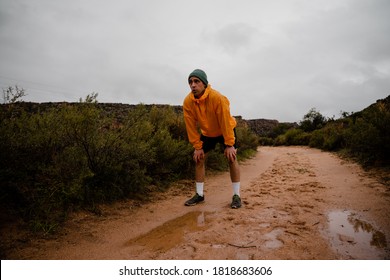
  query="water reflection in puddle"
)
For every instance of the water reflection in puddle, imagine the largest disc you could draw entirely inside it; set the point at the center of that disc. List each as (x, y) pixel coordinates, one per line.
(355, 238)
(171, 233)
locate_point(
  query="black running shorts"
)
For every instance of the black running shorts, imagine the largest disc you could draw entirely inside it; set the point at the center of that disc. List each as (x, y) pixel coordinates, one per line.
(209, 143)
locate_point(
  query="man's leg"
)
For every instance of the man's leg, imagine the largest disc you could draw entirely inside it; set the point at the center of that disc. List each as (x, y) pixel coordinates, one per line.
(234, 171)
(235, 177)
(200, 171)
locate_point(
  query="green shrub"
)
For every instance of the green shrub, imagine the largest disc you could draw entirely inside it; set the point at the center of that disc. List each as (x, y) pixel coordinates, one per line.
(246, 139)
(216, 160)
(317, 139)
(280, 140)
(333, 136)
(293, 136)
(280, 129)
(266, 141)
(172, 157)
(368, 134)
(313, 120)
(297, 136)
(364, 135)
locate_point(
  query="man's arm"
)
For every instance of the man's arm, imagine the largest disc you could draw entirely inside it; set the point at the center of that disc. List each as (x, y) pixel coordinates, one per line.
(226, 121)
(192, 131)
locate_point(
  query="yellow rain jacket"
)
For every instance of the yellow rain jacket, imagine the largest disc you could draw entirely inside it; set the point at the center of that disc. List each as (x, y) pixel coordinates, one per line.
(210, 113)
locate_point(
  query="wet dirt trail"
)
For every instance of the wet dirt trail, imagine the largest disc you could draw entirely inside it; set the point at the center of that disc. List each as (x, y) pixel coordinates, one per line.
(298, 203)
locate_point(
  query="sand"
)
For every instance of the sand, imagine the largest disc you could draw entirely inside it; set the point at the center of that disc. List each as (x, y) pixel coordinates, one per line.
(298, 203)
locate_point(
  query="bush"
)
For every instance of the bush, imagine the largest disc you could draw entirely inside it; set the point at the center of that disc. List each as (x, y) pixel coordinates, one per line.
(266, 141)
(293, 136)
(246, 140)
(333, 136)
(297, 136)
(317, 139)
(280, 140)
(368, 134)
(364, 135)
(313, 120)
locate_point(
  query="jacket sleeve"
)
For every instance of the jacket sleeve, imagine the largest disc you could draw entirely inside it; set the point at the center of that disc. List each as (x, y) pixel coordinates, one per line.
(227, 122)
(191, 127)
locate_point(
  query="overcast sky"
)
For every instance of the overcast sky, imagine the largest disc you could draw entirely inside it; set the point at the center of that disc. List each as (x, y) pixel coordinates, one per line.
(273, 59)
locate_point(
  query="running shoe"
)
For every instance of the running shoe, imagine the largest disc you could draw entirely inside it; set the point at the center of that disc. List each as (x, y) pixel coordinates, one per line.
(194, 200)
(236, 202)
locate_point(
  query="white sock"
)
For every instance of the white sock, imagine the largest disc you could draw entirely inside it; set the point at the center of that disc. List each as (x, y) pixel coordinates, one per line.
(236, 188)
(199, 188)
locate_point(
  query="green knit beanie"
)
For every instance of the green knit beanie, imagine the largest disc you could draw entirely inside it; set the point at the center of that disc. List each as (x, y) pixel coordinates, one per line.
(200, 74)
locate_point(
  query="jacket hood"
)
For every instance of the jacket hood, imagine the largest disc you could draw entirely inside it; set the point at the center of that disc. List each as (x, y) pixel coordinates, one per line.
(203, 97)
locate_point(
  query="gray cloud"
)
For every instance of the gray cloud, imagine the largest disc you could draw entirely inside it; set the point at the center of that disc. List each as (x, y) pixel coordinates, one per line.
(232, 37)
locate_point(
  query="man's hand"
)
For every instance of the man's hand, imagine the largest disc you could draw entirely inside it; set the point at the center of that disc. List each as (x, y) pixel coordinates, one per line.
(198, 155)
(230, 153)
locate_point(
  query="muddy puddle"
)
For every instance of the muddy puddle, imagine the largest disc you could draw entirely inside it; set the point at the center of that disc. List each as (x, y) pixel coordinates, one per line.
(355, 238)
(171, 233)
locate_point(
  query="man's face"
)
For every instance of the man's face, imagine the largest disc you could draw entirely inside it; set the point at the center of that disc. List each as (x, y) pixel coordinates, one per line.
(197, 86)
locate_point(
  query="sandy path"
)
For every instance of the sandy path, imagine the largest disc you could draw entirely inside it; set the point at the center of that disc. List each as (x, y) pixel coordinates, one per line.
(298, 203)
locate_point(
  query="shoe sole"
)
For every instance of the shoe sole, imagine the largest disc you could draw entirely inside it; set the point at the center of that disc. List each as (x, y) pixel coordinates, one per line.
(193, 204)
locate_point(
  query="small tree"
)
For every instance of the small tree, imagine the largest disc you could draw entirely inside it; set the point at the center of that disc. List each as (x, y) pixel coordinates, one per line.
(13, 94)
(90, 98)
(312, 120)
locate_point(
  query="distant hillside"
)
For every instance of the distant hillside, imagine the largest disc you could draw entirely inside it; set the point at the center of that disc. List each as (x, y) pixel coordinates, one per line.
(265, 127)
(383, 104)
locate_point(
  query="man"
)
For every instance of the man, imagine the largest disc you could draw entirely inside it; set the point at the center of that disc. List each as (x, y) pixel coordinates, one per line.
(207, 109)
